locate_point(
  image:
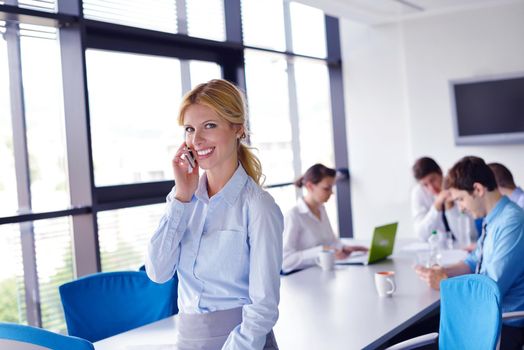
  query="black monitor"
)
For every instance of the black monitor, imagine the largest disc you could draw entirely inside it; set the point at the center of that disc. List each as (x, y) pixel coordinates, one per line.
(488, 110)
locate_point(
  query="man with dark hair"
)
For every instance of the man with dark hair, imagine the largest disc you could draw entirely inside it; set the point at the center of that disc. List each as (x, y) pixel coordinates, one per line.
(506, 184)
(433, 209)
(500, 247)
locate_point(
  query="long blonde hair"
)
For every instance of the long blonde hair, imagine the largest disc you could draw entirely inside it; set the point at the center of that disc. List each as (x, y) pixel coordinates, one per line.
(229, 103)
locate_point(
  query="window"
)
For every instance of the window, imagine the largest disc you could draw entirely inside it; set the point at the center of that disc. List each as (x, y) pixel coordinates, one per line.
(124, 235)
(263, 24)
(267, 94)
(298, 109)
(315, 121)
(54, 261)
(314, 113)
(135, 80)
(308, 30)
(159, 15)
(44, 120)
(284, 196)
(42, 5)
(12, 292)
(205, 19)
(133, 102)
(9, 202)
(202, 71)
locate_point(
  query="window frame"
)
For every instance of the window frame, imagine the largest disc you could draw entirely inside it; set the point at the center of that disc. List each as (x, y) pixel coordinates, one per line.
(76, 35)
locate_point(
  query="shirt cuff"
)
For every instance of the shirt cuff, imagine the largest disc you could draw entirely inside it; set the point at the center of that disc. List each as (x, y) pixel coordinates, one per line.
(312, 253)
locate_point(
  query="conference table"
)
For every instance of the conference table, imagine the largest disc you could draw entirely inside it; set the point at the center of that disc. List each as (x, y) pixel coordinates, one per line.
(323, 310)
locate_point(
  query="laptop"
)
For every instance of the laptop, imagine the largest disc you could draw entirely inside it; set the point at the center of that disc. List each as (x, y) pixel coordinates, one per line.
(381, 247)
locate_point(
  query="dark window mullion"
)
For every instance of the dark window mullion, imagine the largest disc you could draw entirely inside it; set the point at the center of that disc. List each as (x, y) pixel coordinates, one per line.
(345, 220)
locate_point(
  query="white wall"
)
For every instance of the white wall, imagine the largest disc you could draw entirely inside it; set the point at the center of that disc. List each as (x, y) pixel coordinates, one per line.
(398, 102)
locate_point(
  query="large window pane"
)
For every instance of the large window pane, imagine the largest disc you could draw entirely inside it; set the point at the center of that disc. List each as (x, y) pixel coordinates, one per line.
(314, 113)
(202, 71)
(45, 120)
(284, 196)
(315, 121)
(263, 24)
(12, 292)
(267, 93)
(158, 15)
(205, 19)
(54, 262)
(8, 203)
(133, 103)
(123, 235)
(308, 30)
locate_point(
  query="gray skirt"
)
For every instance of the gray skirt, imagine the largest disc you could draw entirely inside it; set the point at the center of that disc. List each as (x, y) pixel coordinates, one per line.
(209, 331)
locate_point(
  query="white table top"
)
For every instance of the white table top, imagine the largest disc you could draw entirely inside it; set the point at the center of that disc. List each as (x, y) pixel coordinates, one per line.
(159, 335)
(328, 309)
(322, 310)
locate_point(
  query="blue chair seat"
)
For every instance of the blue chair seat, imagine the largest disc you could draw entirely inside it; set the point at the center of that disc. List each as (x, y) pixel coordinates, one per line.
(104, 304)
(470, 316)
(13, 336)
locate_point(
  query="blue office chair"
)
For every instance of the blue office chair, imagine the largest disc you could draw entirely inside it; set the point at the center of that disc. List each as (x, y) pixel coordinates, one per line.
(107, 303)
(17, 336)
(470, 316)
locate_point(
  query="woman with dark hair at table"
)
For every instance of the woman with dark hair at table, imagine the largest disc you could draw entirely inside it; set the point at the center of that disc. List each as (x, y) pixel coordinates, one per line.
(307, 230)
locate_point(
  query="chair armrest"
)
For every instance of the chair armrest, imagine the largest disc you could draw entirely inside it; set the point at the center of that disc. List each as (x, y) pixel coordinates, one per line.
(513, 314)
(417, 342)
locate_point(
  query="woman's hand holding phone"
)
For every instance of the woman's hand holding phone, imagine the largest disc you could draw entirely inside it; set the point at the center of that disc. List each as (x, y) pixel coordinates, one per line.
(185, 169)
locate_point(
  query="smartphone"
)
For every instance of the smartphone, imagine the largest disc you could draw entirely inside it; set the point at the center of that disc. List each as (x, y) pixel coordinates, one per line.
(190, 159)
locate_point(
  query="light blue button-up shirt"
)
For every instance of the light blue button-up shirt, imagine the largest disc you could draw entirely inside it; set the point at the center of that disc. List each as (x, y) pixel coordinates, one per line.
(517, 196)
(503, 250)
(227, 251)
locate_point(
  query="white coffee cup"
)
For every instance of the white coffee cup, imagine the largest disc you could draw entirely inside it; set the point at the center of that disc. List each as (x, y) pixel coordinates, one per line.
(326, 259)
(385, 283)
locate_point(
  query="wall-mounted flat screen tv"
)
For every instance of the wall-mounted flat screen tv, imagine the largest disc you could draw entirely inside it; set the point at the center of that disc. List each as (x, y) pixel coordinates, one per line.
(488, 110)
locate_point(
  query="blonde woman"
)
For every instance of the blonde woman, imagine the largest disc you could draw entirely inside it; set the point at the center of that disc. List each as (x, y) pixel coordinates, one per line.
(221, 233)
(307, 229)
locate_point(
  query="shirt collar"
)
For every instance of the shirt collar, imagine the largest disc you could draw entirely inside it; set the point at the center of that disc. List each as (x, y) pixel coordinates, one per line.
(497, 209)
(302, 206)
(516, 193)
(229, 192)
(304, 209)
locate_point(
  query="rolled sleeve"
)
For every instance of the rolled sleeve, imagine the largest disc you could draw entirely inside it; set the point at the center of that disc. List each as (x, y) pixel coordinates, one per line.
(163, 250)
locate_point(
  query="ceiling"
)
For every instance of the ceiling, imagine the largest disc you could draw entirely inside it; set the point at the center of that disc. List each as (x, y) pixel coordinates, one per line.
(385, 11)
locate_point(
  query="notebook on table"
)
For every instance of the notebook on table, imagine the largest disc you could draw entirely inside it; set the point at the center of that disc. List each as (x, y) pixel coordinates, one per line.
(381, 247)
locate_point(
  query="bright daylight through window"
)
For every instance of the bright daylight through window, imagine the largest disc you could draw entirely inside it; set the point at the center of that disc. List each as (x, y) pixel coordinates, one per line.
(88, 124)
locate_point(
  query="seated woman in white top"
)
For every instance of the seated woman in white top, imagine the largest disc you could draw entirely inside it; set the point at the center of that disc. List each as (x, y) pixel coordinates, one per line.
(307, 230)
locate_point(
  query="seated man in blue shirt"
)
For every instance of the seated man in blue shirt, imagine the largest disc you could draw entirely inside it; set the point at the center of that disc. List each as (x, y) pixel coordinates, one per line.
(506, 183)
(500, 247)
